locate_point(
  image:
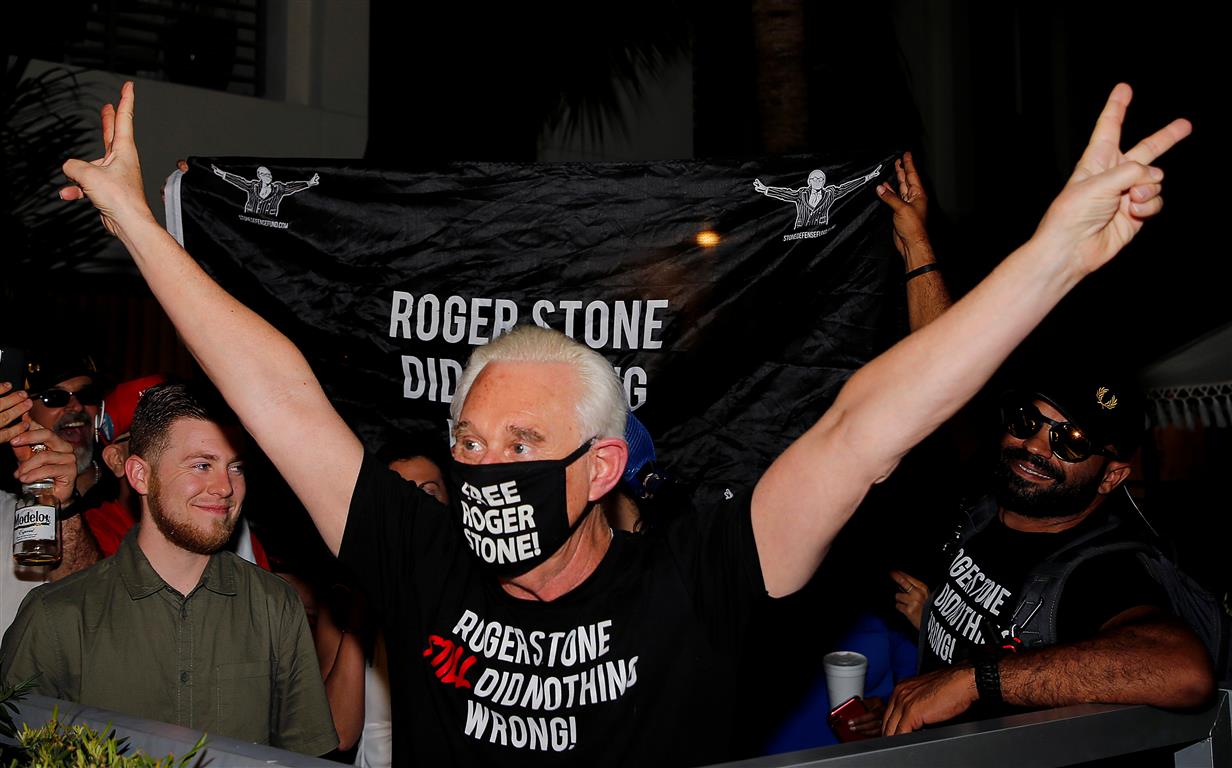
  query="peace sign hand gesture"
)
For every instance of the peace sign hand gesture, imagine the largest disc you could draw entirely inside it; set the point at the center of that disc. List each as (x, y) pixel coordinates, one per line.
(113, 181)
(1111, 193)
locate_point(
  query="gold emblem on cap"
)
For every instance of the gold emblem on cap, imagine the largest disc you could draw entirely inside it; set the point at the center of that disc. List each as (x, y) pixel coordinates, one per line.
(1099, 398)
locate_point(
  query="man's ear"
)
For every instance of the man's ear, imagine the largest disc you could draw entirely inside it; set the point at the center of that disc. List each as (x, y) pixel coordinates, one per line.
(113, 457)
(138, 473)
(610, 456)
(1115, 473)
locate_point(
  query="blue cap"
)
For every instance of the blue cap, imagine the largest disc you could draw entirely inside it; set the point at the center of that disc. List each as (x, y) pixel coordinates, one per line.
(641, 451)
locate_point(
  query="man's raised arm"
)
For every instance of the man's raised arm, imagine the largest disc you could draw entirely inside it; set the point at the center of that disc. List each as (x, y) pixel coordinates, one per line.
(259, 371)
(896, 400)
(927, 295)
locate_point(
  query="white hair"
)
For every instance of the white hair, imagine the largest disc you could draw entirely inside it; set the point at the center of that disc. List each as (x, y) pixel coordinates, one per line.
(601, 407)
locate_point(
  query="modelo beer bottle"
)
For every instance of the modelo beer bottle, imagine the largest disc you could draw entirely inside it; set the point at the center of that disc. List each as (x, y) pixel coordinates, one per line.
(36, 525)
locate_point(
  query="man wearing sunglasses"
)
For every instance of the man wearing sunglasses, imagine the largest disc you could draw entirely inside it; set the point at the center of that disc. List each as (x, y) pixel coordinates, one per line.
(67, 398)
(54, 459)
(1064, 455)
(64, 396)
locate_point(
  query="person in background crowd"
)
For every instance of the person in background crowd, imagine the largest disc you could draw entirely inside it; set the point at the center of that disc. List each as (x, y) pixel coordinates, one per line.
(112, 518)
(927, 294)
(53, 458)
(647, 496)
(66, 396)
(418, 459)
(223, 646)
(1064, 454)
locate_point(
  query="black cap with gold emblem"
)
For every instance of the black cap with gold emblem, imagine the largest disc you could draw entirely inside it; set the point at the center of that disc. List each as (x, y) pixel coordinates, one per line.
(49, 368)
(1108, 406)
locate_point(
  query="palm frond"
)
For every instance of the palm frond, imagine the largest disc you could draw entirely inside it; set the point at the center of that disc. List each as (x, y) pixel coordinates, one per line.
(601, 54)
(43, 124)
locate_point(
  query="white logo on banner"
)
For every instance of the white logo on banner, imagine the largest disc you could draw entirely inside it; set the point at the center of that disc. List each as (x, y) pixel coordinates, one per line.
(264, 194)
(813, 202)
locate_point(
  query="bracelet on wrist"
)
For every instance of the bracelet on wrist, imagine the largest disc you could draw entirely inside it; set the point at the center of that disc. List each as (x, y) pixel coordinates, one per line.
(70, 508)
(924, 270)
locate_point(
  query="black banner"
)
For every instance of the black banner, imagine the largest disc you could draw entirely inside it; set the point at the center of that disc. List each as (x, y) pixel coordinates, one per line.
(732, 298)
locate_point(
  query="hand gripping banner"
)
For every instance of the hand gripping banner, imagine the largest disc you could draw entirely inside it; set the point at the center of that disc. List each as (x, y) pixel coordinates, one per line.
(732, 298)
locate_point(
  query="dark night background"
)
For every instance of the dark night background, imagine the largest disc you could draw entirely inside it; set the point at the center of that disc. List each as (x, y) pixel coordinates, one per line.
(996, 99)
(1027, 80)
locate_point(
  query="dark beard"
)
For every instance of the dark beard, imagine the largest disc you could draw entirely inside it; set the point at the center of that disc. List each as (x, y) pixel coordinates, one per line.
(1029, 500)
(185, 536)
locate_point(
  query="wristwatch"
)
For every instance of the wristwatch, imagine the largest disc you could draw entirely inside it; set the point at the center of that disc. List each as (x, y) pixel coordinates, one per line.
(69, 509)
(988, 675)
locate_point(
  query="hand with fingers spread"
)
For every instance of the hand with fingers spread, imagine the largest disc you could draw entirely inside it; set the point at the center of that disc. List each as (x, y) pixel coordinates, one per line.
(910, 206)
(929, 698)
(113, 182)
(911, 596)
(13, 409)
(1111, 193)
(55, 460)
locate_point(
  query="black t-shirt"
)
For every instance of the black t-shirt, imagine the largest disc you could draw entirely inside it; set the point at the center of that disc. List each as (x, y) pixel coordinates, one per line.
(982, 585)
(629, 668)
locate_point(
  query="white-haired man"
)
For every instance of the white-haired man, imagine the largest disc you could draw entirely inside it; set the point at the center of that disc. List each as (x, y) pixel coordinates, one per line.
(520, 627)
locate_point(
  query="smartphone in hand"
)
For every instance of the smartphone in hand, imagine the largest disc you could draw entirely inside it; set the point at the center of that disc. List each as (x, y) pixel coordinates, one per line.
(12, 370)
(848, 710)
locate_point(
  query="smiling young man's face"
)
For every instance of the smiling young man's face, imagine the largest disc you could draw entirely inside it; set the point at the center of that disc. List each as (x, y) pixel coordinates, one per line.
(196, 485)
(73, 421)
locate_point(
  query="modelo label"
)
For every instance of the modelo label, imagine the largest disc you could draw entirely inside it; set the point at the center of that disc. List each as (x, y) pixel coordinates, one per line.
(34, 524)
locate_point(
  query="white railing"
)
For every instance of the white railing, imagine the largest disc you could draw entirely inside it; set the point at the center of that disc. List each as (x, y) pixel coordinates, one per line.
(160, 739)
(1046, 739)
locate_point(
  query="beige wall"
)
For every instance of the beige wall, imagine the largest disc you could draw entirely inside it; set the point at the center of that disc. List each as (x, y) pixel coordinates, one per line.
(317, 77)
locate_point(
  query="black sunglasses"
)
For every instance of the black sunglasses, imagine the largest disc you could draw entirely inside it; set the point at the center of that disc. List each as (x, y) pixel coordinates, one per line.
(58, 398)
(1067, 440)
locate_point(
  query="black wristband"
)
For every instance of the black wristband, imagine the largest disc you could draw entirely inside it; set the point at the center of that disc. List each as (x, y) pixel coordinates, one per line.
(988, 678)
(72, 507)
(924, 270)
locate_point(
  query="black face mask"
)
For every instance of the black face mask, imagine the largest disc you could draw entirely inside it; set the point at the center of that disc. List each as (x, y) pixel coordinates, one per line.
(515, 514)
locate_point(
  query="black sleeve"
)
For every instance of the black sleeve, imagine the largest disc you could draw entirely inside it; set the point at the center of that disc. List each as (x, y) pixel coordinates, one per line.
(716, 557)
(1101, 588)
(393, 532)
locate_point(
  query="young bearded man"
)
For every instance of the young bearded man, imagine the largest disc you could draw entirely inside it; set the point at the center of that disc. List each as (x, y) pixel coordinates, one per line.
(170, 628)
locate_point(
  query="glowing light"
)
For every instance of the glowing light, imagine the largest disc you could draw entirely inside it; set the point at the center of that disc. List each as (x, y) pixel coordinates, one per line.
(708, 238)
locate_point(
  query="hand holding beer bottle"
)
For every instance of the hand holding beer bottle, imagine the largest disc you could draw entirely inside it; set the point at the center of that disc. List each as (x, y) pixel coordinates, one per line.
(47, 471)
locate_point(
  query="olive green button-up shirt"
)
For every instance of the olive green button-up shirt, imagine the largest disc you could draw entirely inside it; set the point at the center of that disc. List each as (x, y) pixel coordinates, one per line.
(234, 657)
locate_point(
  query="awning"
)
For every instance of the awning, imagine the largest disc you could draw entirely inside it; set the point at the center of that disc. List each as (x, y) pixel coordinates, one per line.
(1192, 385)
